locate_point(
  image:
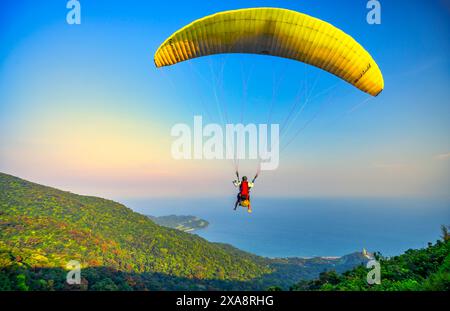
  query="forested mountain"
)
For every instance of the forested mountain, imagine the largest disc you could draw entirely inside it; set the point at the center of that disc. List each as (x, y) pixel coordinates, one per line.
(42, 229)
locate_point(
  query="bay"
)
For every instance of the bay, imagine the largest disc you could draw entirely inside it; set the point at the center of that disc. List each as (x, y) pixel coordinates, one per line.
(311, 227)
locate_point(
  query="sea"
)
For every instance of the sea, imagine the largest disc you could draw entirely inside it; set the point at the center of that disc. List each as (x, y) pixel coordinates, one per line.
(310, 227)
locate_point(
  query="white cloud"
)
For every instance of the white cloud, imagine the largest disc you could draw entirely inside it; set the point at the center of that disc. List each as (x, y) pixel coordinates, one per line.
(443, 156)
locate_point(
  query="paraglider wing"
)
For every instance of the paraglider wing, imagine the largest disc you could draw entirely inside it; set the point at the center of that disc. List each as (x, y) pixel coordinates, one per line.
(276, 32)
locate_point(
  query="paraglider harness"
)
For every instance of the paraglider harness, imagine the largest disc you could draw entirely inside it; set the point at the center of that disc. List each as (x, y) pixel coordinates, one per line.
(243, 196)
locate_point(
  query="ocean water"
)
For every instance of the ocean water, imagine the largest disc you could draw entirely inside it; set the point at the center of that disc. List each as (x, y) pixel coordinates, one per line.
(311, 227)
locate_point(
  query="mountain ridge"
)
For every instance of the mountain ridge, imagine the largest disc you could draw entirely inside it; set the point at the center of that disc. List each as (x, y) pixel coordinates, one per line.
(44, 228)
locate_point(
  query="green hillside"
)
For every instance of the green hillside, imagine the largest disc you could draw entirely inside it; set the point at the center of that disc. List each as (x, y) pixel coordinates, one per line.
(416, 269)
(42, 229)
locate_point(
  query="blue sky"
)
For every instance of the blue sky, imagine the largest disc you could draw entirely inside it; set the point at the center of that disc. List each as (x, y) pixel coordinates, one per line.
(82, 107)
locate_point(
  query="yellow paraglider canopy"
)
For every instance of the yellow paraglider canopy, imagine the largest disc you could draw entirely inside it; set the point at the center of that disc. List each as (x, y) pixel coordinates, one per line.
(276, 32)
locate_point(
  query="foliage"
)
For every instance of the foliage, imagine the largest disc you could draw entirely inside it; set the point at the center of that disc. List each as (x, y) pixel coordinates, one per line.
(42, 229)
(421, 269)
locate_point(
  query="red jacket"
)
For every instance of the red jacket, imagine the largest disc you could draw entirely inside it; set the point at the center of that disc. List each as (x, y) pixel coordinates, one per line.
(244, 188)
